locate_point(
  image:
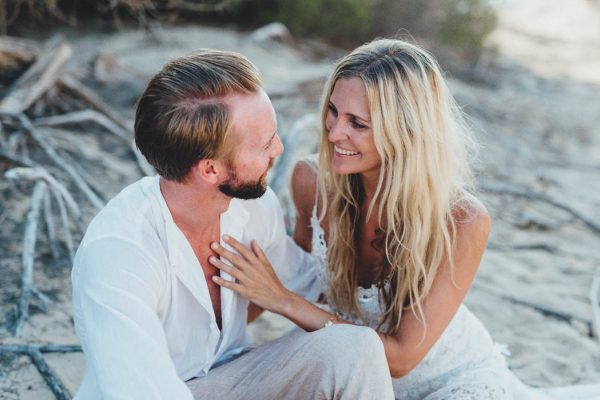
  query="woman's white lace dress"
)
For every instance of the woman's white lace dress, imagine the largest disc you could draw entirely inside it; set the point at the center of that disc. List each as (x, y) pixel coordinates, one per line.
(463, 364)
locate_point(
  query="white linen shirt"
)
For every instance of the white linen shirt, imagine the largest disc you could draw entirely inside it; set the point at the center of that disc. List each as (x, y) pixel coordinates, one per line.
(141, 304)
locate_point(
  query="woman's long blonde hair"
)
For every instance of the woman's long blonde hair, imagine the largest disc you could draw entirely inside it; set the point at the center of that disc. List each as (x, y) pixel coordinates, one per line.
(423, 142)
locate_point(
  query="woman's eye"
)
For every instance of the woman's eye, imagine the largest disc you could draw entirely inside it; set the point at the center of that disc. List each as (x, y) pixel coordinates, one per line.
(357, 125)
(332, 110)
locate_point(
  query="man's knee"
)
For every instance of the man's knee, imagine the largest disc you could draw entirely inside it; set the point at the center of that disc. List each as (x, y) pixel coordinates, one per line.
(342, 343)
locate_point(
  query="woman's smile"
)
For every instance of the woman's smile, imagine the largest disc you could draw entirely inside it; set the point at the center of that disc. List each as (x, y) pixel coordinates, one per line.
(343, 152)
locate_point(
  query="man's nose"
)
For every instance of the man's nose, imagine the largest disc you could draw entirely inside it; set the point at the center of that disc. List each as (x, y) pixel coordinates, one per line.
(277, 146)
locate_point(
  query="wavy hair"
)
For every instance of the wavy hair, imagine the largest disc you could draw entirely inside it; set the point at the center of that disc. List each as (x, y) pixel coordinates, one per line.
(423, 142)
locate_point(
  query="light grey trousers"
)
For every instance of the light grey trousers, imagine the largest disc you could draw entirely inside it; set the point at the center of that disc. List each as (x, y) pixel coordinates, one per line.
(337, 362)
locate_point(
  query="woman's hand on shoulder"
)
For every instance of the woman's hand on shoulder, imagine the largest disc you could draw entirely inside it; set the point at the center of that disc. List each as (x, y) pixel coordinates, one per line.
(304, 186)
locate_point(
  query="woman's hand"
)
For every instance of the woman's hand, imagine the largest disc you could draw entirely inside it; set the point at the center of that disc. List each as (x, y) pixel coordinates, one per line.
(254, 276)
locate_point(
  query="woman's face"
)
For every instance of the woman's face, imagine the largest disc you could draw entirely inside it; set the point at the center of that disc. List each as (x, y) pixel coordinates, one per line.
(348, 125)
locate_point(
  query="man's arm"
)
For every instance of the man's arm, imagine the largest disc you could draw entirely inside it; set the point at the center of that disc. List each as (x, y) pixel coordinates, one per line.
(116, 290)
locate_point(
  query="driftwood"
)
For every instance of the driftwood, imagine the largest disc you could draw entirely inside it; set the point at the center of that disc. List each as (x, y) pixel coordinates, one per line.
(595, 301)
(50, 225)
(38, 79)
(118, 126)
(35, 353)
(28, 256)
(15, 55)
(78, 117)
(13, 161)
(57, 159)
(77, 88)
(66, 203)
(541, 308)
(501, 188)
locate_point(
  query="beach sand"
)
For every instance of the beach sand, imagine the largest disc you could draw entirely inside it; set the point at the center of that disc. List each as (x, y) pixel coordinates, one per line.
(536, 110)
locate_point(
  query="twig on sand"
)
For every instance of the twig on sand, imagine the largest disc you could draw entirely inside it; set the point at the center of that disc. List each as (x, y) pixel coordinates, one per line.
(38, 79)
(35, 353)
(86, 94)
(541, 308)
(28, 256)
(50, 226)
(595, 304)
(86, 116)
(60, 193)
(49, 150)
(13, 161)
(501, 188)
(106, 117)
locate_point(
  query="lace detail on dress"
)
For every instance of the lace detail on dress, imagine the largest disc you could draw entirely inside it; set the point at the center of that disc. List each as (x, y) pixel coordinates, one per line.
(463, 364)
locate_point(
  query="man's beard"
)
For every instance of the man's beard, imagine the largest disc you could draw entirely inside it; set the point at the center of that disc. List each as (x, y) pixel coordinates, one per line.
(243, 190)
(232, 187)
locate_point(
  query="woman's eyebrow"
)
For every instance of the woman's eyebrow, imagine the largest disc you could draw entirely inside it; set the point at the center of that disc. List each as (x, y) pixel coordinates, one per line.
(367, 120)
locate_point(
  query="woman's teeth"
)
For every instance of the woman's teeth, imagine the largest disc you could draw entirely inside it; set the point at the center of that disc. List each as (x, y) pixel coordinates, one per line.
(345, 152)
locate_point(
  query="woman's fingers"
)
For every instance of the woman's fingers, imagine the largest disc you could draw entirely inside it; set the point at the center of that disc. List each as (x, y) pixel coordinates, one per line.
(233, 271)
(240, 248)
(236, 287)
(258, 252)
(233, 258)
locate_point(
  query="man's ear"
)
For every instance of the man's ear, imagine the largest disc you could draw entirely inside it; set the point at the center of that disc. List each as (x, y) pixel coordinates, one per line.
(210, 171)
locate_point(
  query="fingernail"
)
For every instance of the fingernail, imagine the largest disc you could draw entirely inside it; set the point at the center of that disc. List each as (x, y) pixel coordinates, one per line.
(225, 237)
(215, 278)
(212, 259)
(214, 246)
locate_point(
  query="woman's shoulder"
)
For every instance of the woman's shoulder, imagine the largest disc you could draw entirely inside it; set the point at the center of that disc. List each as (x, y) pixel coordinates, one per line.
(470, 215)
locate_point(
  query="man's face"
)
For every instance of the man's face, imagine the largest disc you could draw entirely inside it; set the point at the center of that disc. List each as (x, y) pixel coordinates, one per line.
(254, 135)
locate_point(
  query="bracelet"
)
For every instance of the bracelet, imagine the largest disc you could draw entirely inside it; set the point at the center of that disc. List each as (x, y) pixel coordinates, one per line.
(330, 321)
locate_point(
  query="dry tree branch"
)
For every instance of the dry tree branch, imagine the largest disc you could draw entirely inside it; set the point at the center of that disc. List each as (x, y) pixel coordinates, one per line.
(500, 188)
(50, 226)
(78, 117)
(77, 88)
(183, 5)
(28, 256)
(38, 79)
(83, 186)
(35, 353)
(596, 304)
(65, 221)
(60, 193)
(14, 161)
(119, 127)
(541, 308)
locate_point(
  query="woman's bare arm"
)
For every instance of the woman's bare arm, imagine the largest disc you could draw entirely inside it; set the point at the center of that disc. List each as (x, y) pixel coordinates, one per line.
(304, 181)
(406, 348)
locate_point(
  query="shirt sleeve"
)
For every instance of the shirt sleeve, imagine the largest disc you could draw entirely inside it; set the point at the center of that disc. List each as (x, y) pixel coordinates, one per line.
(116, 292)
(296, 268)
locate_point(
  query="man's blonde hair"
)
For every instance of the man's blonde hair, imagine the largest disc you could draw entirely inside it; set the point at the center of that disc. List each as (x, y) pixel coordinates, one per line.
(183, 117)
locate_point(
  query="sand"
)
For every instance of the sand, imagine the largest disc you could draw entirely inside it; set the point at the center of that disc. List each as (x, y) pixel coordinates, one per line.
(536, 109)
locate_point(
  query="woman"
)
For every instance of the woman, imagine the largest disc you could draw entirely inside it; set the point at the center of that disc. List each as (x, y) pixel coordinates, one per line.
(390, 217)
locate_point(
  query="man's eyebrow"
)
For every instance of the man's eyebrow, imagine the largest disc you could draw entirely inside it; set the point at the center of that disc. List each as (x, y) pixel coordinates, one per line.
(271, 139)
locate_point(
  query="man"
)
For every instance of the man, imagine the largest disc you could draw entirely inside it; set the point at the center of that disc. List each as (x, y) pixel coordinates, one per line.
(152, 323)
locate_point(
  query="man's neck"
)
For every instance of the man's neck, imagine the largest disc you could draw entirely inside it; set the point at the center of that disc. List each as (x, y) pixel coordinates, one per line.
(196, 209)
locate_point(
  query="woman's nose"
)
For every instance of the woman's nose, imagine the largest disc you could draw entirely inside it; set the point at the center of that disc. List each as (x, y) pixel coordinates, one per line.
(336, 131)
